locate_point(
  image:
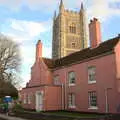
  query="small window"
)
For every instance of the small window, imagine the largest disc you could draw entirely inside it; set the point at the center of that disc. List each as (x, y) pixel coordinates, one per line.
(92, 74)
(71, 77)
(73, 45)
(71, 100)
(25, 98)
(56, 80)
(92, 99)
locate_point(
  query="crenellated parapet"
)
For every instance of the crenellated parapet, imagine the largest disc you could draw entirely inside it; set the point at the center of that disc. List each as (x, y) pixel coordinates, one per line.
(71, 12)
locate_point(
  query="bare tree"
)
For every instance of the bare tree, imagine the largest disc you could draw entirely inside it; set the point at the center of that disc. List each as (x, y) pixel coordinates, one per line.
(9, 60)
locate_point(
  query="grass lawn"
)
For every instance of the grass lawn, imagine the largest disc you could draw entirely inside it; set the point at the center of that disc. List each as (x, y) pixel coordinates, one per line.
(74, 114)
(59, 115)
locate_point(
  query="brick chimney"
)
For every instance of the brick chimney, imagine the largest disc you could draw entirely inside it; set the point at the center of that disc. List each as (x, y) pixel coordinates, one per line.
(38, 50)
(94, 33)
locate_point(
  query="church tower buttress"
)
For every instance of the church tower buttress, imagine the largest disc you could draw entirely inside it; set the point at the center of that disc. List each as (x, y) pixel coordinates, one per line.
(84, 31)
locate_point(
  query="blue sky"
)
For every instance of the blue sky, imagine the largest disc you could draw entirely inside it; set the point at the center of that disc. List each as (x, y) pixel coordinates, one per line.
(26, 21)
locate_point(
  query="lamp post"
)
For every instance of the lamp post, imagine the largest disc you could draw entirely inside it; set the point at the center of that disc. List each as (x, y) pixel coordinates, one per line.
(106, 100)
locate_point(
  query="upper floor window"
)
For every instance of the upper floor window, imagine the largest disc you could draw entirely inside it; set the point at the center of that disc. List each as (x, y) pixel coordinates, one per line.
(71, 100)
(71, 78)
(92, 74)
(72, 28)
(92, 99)
(56, 80)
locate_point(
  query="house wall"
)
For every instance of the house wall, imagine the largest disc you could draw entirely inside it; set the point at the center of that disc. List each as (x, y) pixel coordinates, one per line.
(105, 80)
(117, 51)
(40, 74)
(51, 97)
(32, 92)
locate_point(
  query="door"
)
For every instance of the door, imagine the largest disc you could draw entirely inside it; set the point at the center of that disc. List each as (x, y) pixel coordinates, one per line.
(39, 101)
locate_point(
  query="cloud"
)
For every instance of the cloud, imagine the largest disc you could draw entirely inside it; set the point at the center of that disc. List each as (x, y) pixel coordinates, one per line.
(47, 52)
(28, 53)
(29, 28)
(12, 4)
(44, 5)
(21, 30)
(103, 9)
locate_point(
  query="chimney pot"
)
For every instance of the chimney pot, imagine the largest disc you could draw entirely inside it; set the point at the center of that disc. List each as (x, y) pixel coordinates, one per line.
(94, 32)
(91, 21)
(38, 50)
(95, 19)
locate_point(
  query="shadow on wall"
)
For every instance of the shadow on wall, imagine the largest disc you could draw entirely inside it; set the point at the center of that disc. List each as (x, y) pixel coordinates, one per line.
(118, 108)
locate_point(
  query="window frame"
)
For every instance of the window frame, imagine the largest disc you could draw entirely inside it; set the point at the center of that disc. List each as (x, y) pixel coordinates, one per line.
(91, 96)
(73, 44)
(72, 28)
(69, 79)
(58, 80)
(25, 98)
(30, 98)
(92, 72)
(71, 100)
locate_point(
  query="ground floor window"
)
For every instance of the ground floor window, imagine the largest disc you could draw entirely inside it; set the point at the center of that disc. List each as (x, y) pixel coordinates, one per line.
(71, 100)
(25, 98)
(29, 98)
(92, 99)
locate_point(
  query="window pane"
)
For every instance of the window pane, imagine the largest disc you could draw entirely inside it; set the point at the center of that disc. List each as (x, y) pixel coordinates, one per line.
(71, 78)
(92, 73)
(56, 80)
(92, 99)
(72, 28)
(71, 100)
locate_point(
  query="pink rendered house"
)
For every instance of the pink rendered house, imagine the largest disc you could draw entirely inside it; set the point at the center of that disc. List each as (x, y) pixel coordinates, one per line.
(87, 80)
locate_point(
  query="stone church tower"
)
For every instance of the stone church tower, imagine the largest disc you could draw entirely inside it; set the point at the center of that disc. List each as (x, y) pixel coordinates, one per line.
(69, 32)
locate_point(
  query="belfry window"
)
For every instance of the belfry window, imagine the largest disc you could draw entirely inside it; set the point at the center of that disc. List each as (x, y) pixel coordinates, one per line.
(72, 28)
(73, 45)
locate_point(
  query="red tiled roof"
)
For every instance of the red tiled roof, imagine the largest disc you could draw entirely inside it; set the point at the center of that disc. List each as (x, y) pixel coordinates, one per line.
(102, 49)
(48, 62)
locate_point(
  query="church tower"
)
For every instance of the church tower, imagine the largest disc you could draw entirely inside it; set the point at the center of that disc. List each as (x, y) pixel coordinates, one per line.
(69, 32)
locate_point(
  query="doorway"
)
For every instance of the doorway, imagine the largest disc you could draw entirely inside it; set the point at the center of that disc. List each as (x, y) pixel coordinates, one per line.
(39, 101)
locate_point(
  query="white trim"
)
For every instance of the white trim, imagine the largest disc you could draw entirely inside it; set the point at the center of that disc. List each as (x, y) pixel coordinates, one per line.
(25, 98)
(29, 99)
(71, 84)
(91, 82)
(72, 106)
(93, 108)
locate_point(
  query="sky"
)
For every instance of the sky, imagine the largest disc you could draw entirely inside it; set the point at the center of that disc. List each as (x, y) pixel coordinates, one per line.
(27, 21)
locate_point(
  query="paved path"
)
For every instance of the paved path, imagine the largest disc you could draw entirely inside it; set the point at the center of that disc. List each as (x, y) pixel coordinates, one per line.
(10, 118)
